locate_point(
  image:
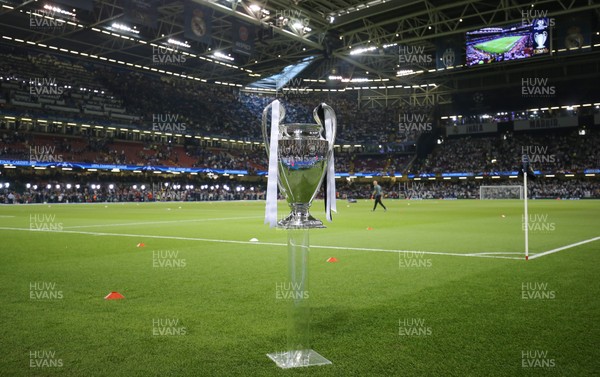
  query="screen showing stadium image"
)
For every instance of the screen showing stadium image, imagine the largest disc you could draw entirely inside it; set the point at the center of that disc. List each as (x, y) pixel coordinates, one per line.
(506, 43)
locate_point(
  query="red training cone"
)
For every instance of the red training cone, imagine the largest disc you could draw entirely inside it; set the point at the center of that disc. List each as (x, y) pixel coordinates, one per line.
(332, 260)
(141, 244)
(369, 228)
(114, 296)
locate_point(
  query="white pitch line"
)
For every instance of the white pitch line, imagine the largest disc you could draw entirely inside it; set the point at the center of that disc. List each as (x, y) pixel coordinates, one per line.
(2, 216)
(498, 252)
(145, 236)
(564, 248)
(258, 243)
(161, 222)
(409, 251)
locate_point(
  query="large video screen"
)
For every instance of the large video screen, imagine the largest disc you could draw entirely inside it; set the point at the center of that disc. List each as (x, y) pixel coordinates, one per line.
(512, 42)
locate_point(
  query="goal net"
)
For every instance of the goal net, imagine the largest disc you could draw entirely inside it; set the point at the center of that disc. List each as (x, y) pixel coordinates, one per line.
(500, 192)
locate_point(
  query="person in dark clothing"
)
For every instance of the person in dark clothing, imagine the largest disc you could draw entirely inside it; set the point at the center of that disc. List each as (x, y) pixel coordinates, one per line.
(377, 193)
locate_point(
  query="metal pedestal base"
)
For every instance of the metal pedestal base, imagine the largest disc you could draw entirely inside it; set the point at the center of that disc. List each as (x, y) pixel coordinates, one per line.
(298, 359)
(300, 218)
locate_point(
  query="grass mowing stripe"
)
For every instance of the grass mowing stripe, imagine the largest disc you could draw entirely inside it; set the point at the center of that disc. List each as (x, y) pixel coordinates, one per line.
(161, 222)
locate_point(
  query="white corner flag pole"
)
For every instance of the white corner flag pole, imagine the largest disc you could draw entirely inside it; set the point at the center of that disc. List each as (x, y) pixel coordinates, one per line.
(526, 220)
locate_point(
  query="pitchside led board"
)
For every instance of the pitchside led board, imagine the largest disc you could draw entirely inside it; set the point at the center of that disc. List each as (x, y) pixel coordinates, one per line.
(527, 39)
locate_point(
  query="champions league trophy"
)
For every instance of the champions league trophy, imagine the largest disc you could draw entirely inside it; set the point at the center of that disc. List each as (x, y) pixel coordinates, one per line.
(299, 159)
(540, 39)
(302, 157)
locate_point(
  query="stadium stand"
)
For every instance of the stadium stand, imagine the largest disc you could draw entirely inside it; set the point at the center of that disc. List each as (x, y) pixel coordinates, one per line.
(107, 96)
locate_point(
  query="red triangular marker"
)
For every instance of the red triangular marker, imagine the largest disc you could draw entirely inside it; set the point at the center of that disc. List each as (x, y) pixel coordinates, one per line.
(141, 244)
(332, 259)
(369, 228)
(114, 296)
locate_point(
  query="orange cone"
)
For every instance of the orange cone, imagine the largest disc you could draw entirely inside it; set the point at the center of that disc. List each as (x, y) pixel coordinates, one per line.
(369, 228)
(141, 244)
(114, 296)
(332, 260)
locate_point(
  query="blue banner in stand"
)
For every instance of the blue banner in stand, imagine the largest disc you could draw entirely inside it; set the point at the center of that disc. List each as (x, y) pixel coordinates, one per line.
(198, 24)
(243, 38)
(111, 167)
(574, 32)
(140, 12)
(449, 52)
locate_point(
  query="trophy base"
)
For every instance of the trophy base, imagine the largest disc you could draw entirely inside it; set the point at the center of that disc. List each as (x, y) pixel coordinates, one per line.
(298, 359)
(297, 220)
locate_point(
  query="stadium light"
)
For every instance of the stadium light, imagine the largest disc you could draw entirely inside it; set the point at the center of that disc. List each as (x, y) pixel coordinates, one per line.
(69, 186)
(362, 50)
(56, 9)
(143, 187)
(48, 186)
(7, 185)
(220, 55)
(123, 27)
(255, 7)
(178, 43)
(28, 185)
(405, 72)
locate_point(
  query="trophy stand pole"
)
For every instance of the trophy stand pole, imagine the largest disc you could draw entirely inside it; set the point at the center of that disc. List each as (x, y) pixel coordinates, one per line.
(298, 352)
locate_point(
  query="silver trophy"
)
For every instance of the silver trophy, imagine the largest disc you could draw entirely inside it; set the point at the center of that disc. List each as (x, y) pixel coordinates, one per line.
(302, 158)
(540, 39)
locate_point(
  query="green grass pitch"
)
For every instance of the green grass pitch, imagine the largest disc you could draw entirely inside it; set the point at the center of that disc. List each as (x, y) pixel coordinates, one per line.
(498, 46)
(200, 300)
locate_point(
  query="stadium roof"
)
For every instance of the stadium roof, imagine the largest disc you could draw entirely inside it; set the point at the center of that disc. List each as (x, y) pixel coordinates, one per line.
(355, 42)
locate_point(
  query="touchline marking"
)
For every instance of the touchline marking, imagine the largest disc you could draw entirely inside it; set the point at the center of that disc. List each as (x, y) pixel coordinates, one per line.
(563, 248)
(498, 252)
(257, 243)
(161, 222)
(410, 251)
(145, 236)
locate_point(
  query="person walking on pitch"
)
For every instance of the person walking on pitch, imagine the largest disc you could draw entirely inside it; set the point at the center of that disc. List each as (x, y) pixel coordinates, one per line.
(377, 193)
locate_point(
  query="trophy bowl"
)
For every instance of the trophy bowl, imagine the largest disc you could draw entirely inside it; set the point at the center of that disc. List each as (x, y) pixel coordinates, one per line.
(302, 155)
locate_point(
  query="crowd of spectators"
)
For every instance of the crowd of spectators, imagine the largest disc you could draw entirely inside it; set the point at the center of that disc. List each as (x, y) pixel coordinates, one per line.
(100, 94)
(105, 95)
(548, 152)
(55, 192)
(463, 189)
(15, 145)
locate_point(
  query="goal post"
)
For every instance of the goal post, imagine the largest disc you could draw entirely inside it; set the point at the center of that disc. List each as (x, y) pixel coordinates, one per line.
(501, 192)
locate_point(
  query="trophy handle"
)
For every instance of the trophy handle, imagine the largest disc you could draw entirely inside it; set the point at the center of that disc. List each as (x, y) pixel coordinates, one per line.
(326, 109)
(265, 116)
